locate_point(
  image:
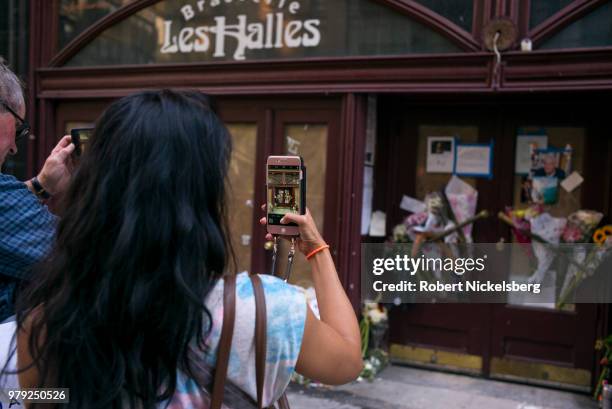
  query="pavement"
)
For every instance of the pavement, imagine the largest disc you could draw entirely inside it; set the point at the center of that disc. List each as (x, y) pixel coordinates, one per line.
(399, 387)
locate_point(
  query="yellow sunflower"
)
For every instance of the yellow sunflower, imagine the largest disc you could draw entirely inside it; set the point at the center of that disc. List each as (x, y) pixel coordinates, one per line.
(601, 235)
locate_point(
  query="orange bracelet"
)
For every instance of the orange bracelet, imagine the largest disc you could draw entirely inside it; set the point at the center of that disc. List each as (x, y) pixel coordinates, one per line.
(317, 250)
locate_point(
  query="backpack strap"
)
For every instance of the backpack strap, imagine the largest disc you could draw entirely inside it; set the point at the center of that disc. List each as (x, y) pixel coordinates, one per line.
(225, 342)
(260, 336)
(261, 342)
(283, 402)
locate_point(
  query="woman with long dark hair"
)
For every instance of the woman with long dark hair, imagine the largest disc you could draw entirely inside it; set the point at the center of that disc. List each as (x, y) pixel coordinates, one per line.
(128, 306)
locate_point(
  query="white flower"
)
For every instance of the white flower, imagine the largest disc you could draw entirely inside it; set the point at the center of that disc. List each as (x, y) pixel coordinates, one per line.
(399, 232)
(376, 316)
(370, 305)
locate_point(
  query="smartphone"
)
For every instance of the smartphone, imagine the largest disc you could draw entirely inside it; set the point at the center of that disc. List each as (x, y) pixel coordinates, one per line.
(286, 186)
(80, 138)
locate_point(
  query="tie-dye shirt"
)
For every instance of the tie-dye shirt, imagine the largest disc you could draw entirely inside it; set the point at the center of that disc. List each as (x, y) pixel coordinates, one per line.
(286, 316)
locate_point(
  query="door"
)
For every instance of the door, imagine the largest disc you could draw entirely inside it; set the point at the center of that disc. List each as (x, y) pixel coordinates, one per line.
(548, 344)
(444, 336)
(541, 344)
(259, 128)
(307, 127)
(312, 134)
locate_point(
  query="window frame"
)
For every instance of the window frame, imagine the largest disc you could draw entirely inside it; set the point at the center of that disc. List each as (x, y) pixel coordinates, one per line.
(455, 34)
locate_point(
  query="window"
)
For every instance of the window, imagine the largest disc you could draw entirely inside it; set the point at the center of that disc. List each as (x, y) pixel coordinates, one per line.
(458, 11)
(181, 32)
(77, 15)
(593, 30)
(543, 9)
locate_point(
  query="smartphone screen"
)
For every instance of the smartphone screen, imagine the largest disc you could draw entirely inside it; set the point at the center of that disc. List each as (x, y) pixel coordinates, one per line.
(80, 139)
(284, 194)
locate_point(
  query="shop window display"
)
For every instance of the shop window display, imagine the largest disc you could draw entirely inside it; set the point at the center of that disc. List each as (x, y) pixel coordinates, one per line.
(547, 209)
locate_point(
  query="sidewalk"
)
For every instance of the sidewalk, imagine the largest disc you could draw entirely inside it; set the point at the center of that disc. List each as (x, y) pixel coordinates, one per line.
(409, 388)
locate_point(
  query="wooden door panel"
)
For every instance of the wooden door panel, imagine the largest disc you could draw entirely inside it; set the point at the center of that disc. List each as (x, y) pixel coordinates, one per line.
(443, 325)
(312, 134)
(542, 345)
(312, 125)
(551, 336)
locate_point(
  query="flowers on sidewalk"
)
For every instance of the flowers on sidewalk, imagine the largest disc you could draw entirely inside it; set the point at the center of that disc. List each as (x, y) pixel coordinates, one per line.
(373, 326)
(373, 364)
(604, 345)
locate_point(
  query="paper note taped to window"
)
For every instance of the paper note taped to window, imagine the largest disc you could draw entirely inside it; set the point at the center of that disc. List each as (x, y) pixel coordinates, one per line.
(572, 182)
(413, 205)
(378, 224)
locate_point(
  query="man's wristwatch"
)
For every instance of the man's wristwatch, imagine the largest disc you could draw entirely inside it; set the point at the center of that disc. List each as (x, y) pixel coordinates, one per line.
(39, 191)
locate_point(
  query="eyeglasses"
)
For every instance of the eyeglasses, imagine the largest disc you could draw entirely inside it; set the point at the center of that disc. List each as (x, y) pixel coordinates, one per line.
(23, 129)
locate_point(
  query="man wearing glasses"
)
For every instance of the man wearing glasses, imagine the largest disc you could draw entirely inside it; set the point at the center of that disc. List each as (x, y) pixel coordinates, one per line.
(27, 228)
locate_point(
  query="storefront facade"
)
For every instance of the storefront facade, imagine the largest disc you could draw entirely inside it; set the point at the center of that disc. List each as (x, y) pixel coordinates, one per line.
(356, 87)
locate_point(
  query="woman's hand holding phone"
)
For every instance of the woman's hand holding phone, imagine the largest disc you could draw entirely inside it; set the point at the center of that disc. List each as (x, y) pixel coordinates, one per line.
(309, 239)
(331, 346)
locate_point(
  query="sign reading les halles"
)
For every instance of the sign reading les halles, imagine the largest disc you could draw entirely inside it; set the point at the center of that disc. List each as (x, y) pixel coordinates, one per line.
(278, 28)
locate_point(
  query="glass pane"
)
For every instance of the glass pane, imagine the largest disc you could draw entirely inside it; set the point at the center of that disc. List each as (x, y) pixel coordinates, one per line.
(310, 142)
(565, 204)
(70, 125)
(458, 11)
(594, 30)
(542, 9)
(241, 191)
(76, 15)
(172, 32)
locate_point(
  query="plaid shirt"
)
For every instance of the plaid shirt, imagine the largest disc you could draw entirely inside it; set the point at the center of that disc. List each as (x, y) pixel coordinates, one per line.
(27, 229)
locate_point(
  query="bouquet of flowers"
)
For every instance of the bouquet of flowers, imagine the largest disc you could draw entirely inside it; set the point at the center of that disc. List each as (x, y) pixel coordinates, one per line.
(373, 326)
(582, 227)
(532, 225)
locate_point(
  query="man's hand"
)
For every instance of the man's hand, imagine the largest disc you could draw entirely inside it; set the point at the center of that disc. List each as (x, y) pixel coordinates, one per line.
(57, 171)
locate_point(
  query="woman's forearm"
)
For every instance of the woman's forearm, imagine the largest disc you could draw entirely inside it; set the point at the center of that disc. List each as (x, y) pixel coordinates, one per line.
(334, 306)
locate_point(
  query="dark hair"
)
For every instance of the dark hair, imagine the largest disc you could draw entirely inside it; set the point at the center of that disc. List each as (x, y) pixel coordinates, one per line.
(120, 301)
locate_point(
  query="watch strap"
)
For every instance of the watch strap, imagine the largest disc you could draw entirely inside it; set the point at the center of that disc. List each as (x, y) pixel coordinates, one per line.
(38, 189)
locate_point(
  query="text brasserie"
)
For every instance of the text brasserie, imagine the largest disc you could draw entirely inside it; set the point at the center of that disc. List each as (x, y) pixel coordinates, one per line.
(275, 31)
